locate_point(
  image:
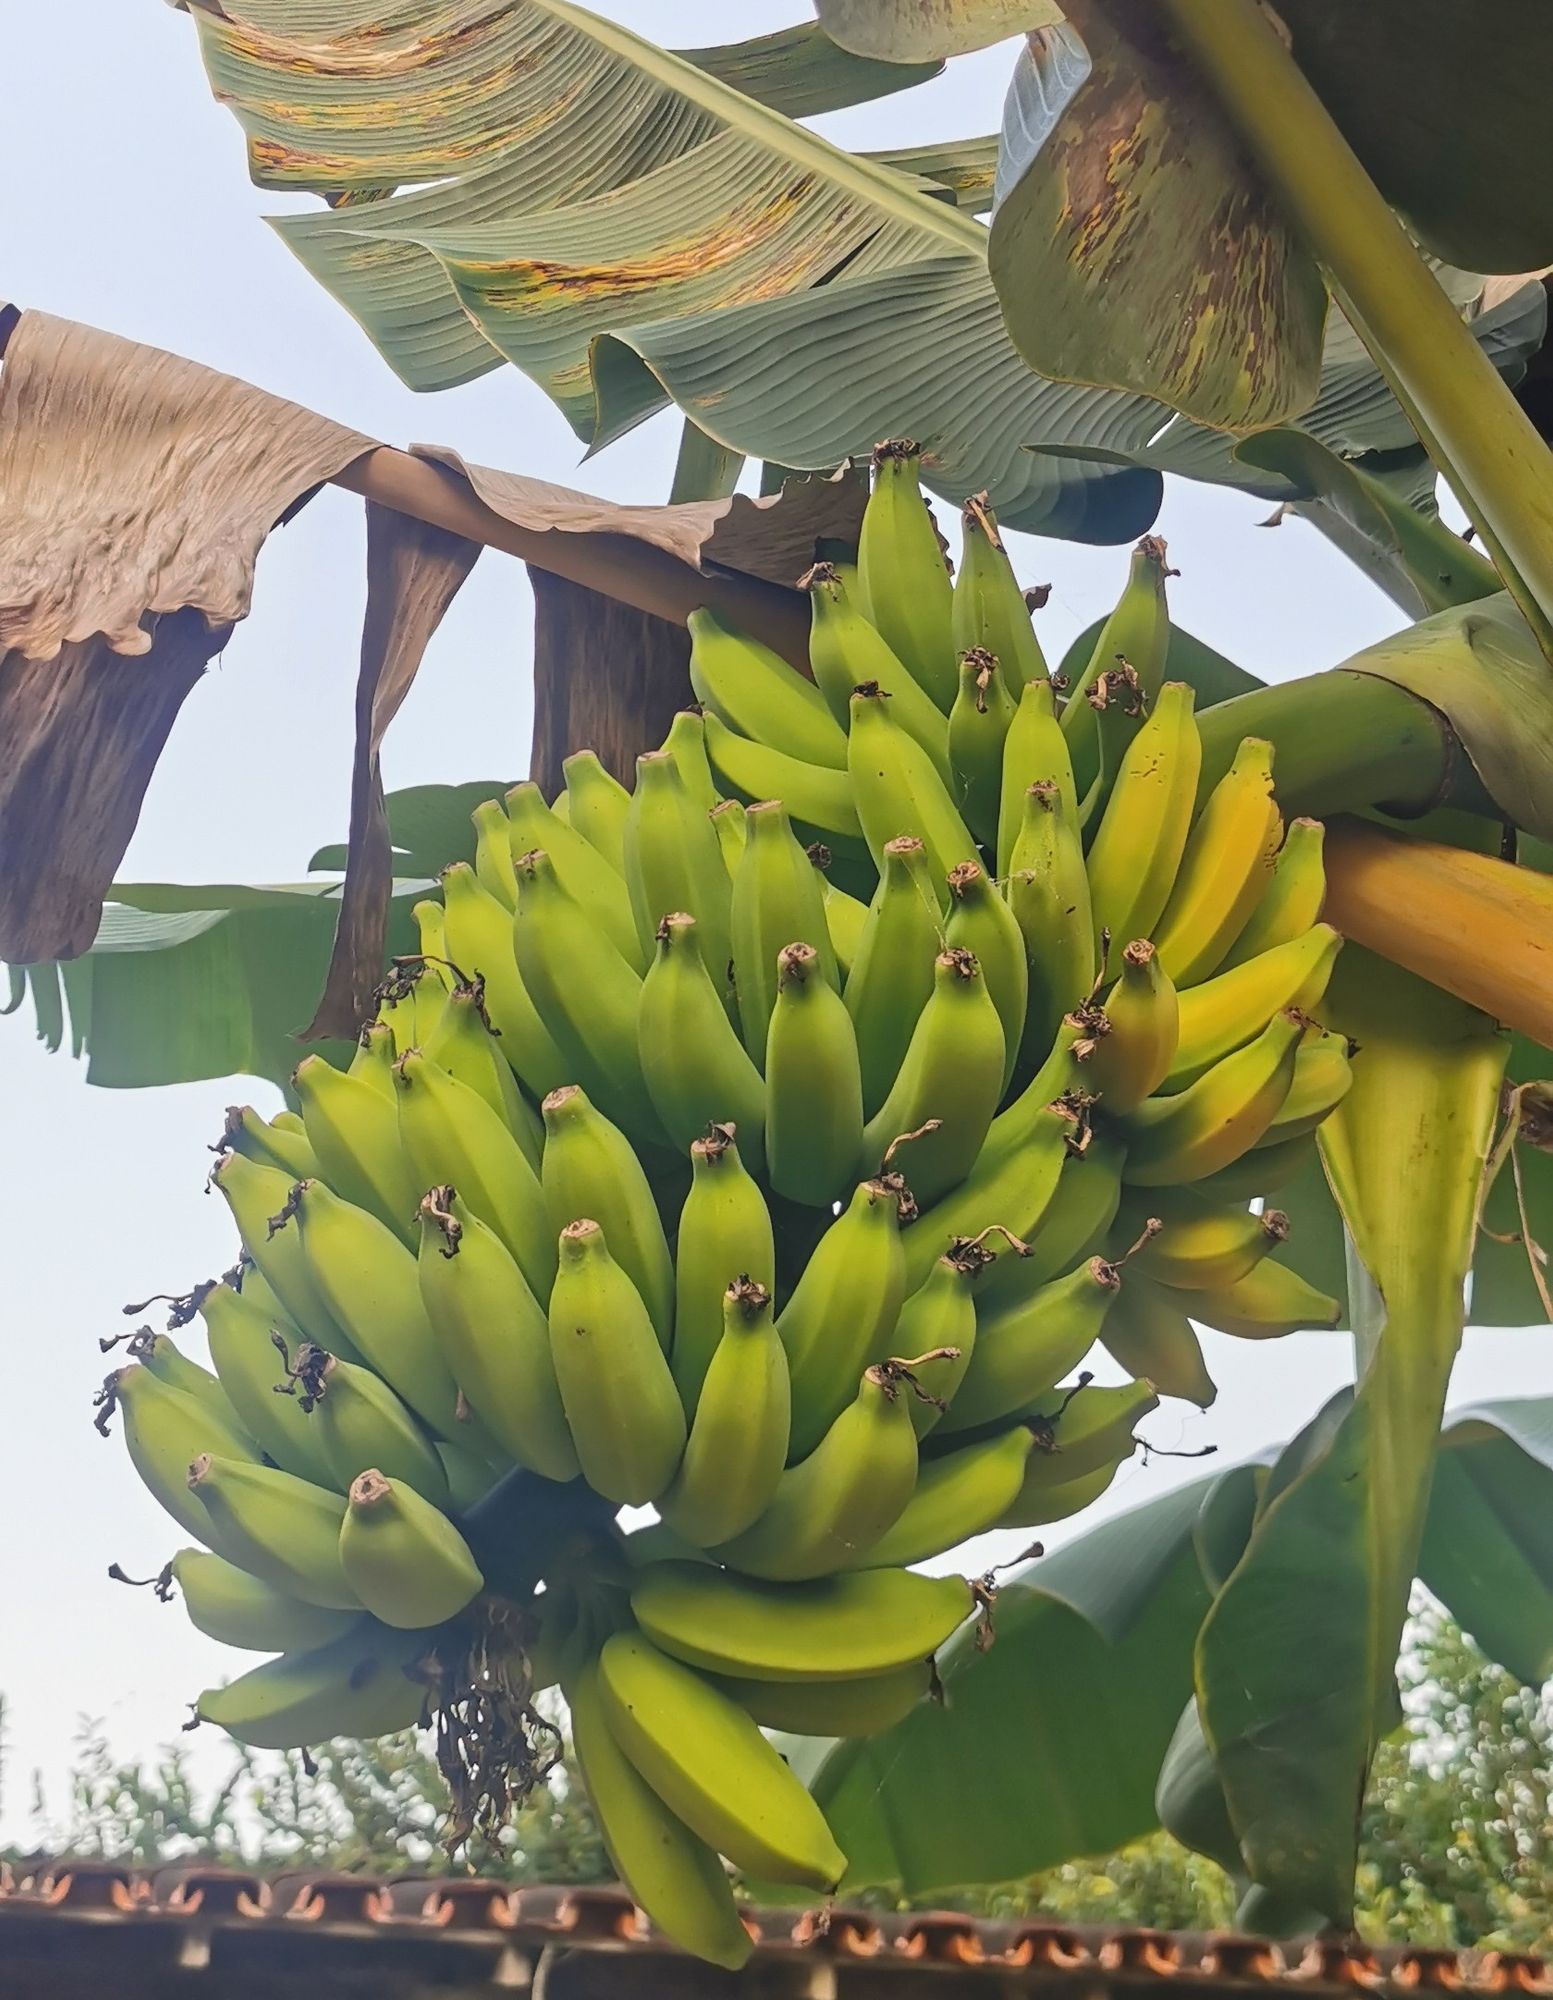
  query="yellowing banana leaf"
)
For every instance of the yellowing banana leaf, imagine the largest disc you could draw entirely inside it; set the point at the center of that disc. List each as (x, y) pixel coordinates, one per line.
(922, 30)
(1293, 1725)
(1130, 244)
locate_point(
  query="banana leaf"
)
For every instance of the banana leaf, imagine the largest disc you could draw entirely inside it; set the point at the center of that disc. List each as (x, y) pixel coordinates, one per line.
(1051, 1743)
(920, 30)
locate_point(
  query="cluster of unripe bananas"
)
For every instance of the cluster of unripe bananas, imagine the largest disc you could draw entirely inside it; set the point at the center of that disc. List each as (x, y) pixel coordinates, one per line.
(769, 1146)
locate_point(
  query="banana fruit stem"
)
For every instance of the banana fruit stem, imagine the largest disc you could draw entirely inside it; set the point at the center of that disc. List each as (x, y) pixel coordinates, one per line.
(1481, 439)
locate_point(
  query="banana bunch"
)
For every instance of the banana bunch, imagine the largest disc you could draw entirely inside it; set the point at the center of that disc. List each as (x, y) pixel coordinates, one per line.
(768, 1145)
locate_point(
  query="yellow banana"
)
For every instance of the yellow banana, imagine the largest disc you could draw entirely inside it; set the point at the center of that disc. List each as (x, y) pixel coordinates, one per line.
(590, 1168)
(846, 652)
(989, 608)
(892, 971)
(674, 1876)
(1035, 752)
(834, 1708)
(362, 1425)
(898, 788)
(724, 1235)
(1268, 1302)
(1022, 1354)
(361, 1685)
(354, 1131)
(597, 804)
(755, 692)
(708, 1762)
(776, 901)
(493, 853)
(835, 1504)
(165, 1430)
(1137, 1031)
(697, 1070)
(841, 1316)
(1200, 1246)
(480, 940)
(1292, 900)
(978, 724)
(282, 1529)
(957, 1496)
(248, 1363)
(450, 1133)
(814, 1087)
(1143, 831)
(948, 1086)
(675, 862)
(404, 1558)
(620, 1400)
(835, 1628)
(1217, 1118)
(737, 1446)
(494, 1333)
(813, 793)
(236, 1609)
(903, 579)
(1137, 635)
(1323, 1077)
(1147, 1333)
(589, 877)
(1225, 869)
(1048, 893)
(1224, 1013)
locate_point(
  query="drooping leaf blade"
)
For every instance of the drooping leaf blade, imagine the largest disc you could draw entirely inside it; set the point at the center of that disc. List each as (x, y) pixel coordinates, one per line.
(925, 30)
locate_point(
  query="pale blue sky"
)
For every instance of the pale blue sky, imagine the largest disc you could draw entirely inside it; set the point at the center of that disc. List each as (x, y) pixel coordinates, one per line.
(138, 217)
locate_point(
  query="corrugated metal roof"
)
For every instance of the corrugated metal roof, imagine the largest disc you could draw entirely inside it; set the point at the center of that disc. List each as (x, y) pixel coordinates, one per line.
(68, 1925)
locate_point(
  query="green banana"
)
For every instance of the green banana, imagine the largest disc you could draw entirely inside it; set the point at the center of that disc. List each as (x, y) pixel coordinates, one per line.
(814, 1087)
(1258, 1172)
(845, 916)
(841, 1316)
(848, 1492)
(1143, 832)
(404, 1558)
(948, 1086)
(708, 1762)
(1080, 1432)
(469, 1478)
(737, 1445)
(1021, 1354)
(236, 1609)
(354, 1130)
(1225, 868)
(675, 1877)
(727, 819)
(428, 983)
(1269, 1301)
(1137, 1031)
(834, 1628)
(260, 1199)
(269, 1142)
(957, 1496)
(161, 1354)
(776, 901)
(724, 1234)
(591, 1169)
(1043, 1500)
(892, 972)
(165, 1430)
(359, 1685)
(846, 652)
(451, 1134)
(686, 744)
(696, 1067)
(1148, 1334)
(899, 789)
(373, 1063)
(493, 853)
(1035, 752)
(1136, 634)
(938, 1323)
(755, 692)
(813, 793)
(367, 1278)
(989, 608)
(621, 1404)
(593, 882)
(1220, 1116)
(480, 939)
(674, 861)
(1048, 894)
(981, 921)
(586, 993)
(597, 808)
(462, 1043)
(494, 1333)
(903, 586)
(241, 1335)
(1224, 1013)
(1076, 1223)
(1200, 1246)
(282, 1529)
(866, 1707)
(1291, 902)
(978, 725)
(363, 1426)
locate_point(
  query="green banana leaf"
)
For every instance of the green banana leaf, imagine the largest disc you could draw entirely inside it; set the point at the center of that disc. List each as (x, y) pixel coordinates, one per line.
(1292, 1726)
(1051, 1743)
(429, 826)
(922, 30)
